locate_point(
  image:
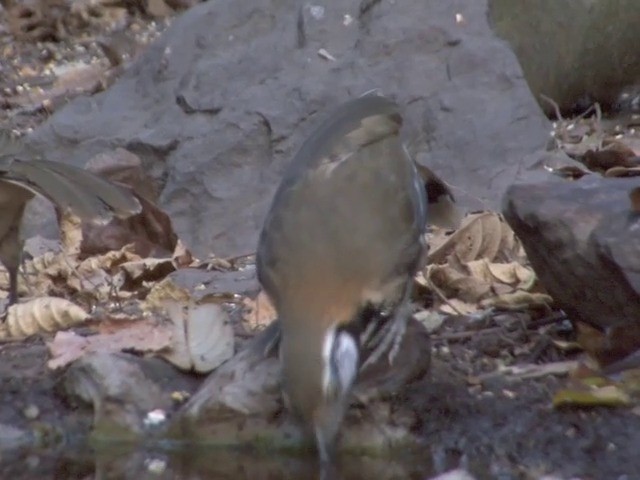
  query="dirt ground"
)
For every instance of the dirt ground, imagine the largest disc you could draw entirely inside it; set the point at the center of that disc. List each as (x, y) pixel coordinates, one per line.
(502, 427)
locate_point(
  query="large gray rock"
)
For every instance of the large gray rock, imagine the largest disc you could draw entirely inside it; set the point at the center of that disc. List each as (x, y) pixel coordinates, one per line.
(573, 50)
(219, 105)
(582, 240)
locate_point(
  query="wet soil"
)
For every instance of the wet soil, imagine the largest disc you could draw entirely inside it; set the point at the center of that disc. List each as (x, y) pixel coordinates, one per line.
(505, 429)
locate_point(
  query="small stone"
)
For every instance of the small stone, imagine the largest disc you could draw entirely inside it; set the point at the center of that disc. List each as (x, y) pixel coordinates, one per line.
(31, 412)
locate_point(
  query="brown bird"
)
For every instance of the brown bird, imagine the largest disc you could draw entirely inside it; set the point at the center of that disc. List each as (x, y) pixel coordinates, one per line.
(337, 255)
(69, 188)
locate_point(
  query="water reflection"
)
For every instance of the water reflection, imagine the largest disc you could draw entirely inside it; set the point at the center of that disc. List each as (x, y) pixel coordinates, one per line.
(203, 464)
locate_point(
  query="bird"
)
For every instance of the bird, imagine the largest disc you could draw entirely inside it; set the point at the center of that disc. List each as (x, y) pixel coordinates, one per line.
(337, 253)
(69, 188)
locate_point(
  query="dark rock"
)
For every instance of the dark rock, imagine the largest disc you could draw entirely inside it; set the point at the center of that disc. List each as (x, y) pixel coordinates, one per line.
(582, 240)
(241, 401)
(594, 47)
(204, 283)
(12, 437)
(221, 102)
(122, 389)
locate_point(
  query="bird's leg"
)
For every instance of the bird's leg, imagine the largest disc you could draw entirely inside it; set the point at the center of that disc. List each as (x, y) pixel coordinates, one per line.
(389, 337)
(13, 285)
(11, 246)
(13, 291)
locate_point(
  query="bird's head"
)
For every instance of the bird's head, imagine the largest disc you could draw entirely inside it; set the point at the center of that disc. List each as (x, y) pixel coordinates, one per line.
(319, 369)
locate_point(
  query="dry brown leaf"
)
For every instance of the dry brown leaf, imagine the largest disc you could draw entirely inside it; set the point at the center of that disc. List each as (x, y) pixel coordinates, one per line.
(203, 336)
(70, 233)
(616, 154)
(51, 264)
(140, 336)
(455, 306)
(148, 269)
(23, 288)
(482, 238)
(150, 233)
(181, 257)
(164, 291)
(510, 247)
(481, 264)
(46, 314)
(100, 276)
(109, 261)
(511, 273)
(479, 236)
(97, 285)
(41, 273)
(259, 312)
(468, 289)
(622, 172)
(480, 270)
(518, 300)
(442, 274)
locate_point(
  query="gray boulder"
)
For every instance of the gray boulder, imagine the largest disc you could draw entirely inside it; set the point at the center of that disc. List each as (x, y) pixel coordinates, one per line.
(220, 103)
(581, 238)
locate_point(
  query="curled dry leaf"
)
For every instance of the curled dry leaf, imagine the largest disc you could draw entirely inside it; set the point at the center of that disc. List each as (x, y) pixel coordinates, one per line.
(454, 284)
(518, 300)
(148, 269)
(259, 312)
(70, 232)
(511, 273)
(454, 306)
(588, 396)
(100, 276)
(622, 172)
(47, 314)
(481, 265)
(110, 261)
(40, 273)
(181, 256)
(481, 235)
(150, 233)
(203, 336)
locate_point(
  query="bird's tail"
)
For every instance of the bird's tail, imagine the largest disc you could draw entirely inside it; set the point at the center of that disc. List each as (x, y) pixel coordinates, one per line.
(70, 188)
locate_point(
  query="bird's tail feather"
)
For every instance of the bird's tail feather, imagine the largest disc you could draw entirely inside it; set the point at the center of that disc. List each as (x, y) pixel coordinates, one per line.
(85, 194)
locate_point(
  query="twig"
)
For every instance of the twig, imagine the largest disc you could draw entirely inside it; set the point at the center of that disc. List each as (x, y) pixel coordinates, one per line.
(599, 124)
(457, 336)
(555, 106)
(442, 297)
(548, 320)
(531, 371)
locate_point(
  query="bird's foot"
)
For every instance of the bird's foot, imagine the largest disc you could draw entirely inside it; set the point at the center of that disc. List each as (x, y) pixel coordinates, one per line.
(388, 340)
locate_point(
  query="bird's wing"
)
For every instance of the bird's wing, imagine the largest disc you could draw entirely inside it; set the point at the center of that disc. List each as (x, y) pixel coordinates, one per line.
(68, 187)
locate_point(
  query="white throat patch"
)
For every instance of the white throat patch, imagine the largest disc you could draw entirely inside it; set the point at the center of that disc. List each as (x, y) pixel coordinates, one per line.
(339, 363)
